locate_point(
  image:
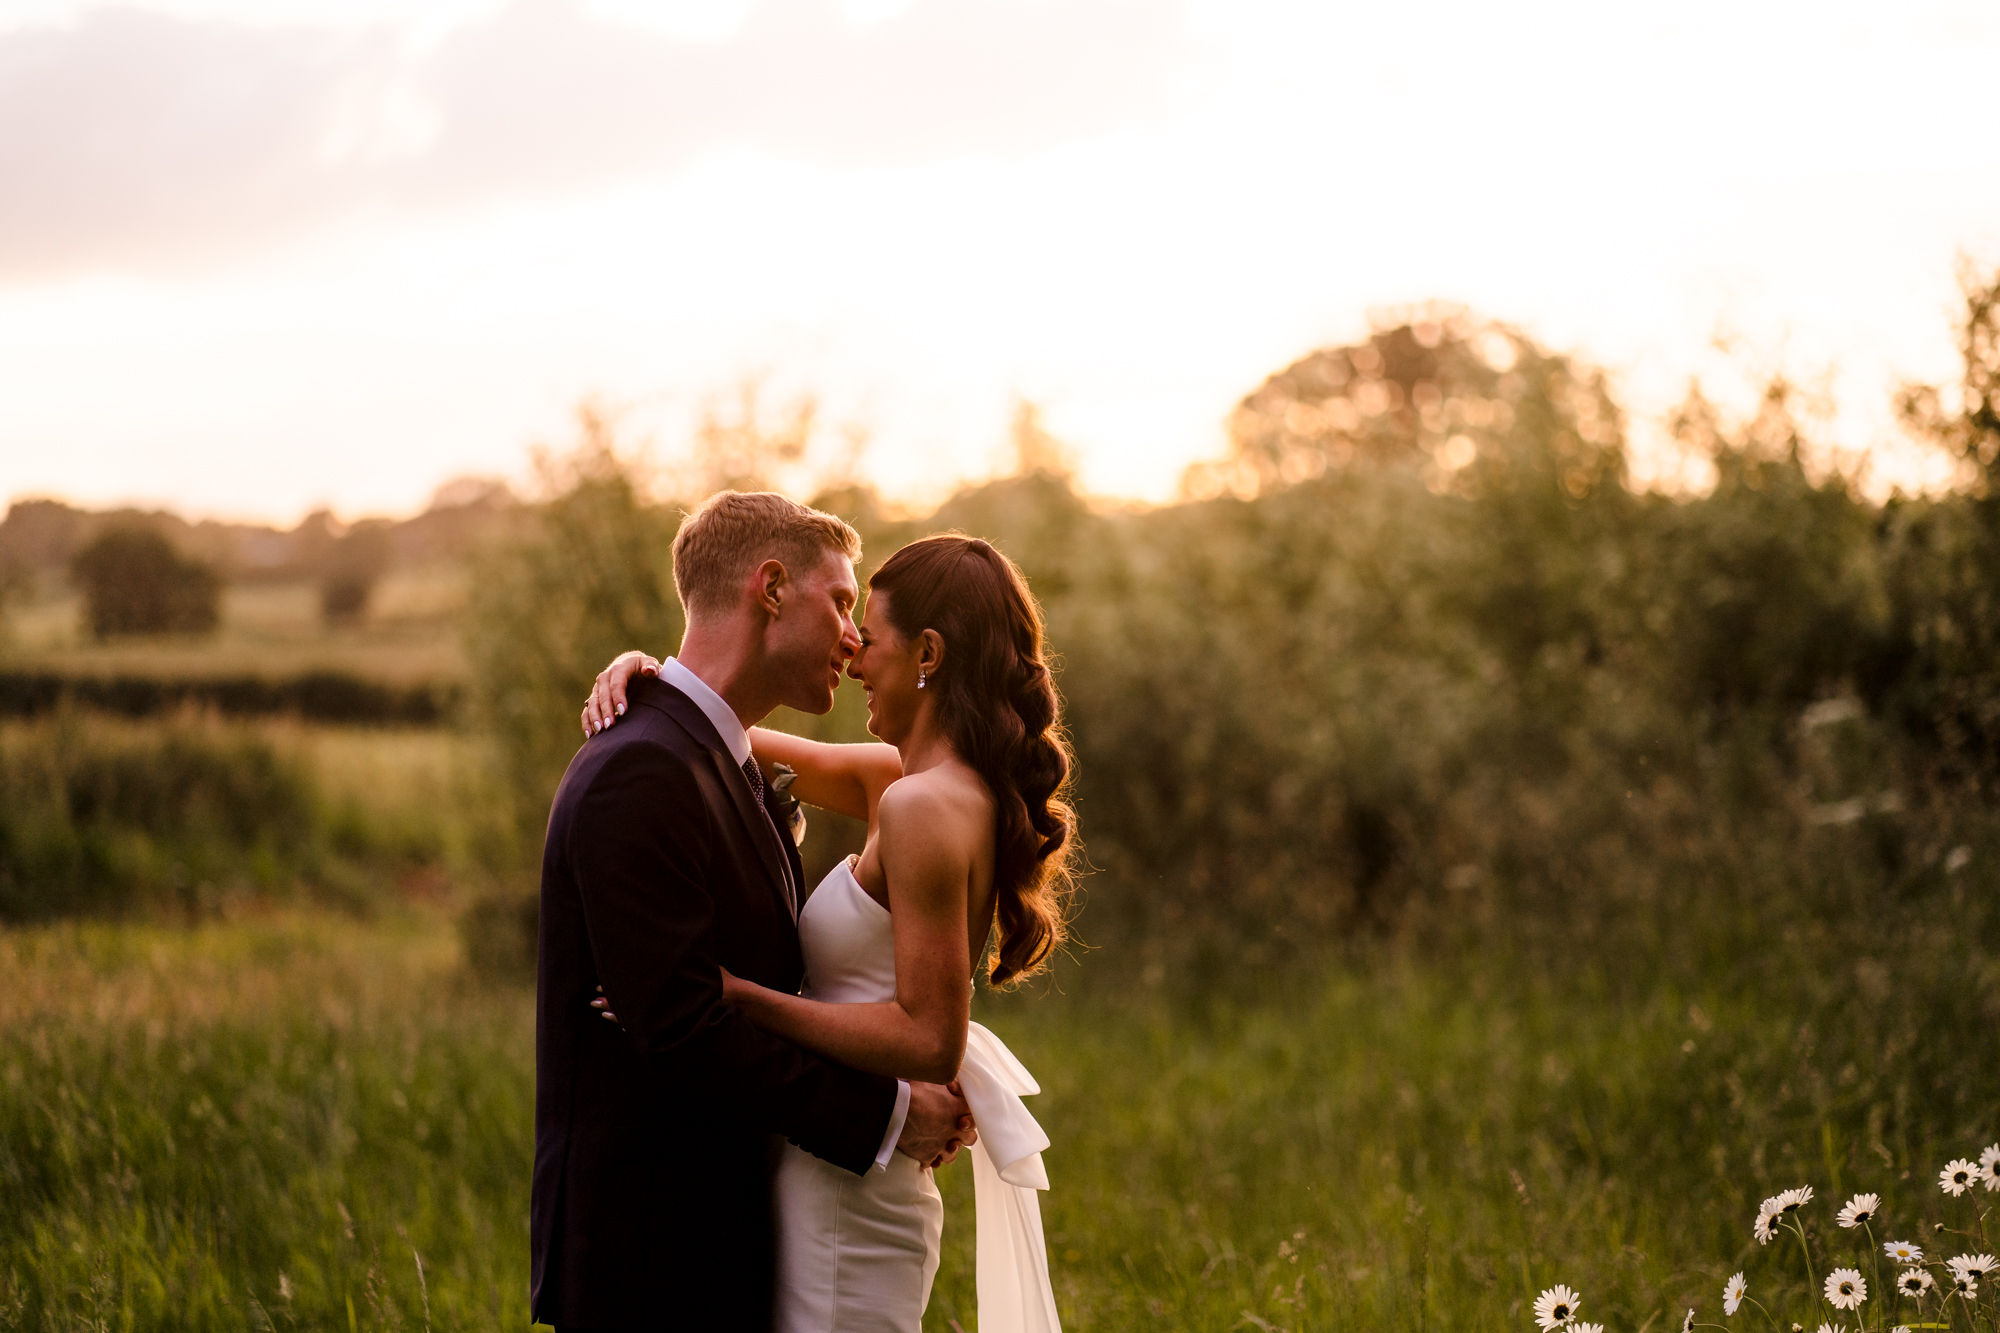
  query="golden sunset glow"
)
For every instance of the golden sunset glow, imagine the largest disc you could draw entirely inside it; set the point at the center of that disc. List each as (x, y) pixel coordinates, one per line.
(260, 256)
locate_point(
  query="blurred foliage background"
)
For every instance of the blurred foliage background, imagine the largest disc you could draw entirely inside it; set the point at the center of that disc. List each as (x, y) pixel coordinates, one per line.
(1501, 875)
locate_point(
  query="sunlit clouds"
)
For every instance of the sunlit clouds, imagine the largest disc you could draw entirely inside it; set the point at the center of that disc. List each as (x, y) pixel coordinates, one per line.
(144, 140)
(251, 261)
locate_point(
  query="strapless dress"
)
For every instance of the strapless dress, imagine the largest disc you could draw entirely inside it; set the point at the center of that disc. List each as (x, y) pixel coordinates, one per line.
(857, 1254)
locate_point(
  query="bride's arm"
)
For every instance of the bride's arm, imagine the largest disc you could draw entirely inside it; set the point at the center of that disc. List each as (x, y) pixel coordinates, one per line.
(920, 1035)
(846, 779)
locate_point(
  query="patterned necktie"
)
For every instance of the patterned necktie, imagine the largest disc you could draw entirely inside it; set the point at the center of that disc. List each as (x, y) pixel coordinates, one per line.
(755, 777)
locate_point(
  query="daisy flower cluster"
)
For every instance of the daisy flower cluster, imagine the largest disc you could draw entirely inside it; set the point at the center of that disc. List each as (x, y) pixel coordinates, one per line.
(1920, 1293)
(1778, 1206)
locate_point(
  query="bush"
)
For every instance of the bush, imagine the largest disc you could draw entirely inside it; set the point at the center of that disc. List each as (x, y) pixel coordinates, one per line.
(1367, 691)
(101, 818)
(315, 696)
(189, 814)
(135, 583)
(1415, 659)
(592, 577)
(497, 933)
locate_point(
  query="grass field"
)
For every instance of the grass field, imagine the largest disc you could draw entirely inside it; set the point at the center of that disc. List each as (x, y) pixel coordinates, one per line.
(305, 1120)
(409, 636)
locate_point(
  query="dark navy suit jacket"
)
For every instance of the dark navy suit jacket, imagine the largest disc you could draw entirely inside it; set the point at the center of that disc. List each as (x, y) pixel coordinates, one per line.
(653, 1136)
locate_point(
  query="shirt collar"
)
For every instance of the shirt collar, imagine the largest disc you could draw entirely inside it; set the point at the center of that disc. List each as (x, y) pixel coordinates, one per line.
(720, 715)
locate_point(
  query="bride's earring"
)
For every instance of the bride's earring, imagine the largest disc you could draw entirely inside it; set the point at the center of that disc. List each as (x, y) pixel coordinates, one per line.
(922, 676)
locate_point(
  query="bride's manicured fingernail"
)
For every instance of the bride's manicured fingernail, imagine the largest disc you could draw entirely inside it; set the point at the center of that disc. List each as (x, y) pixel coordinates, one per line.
(621, 710)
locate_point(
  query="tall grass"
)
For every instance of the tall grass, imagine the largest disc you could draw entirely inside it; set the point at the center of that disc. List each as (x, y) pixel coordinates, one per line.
(258, 1123)
(190, 814)
(196, 1122)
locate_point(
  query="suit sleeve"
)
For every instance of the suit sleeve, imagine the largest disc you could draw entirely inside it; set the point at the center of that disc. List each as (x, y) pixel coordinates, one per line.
(640, 844)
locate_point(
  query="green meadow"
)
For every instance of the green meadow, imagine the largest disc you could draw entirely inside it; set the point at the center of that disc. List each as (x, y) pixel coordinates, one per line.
(272, 629)
(1499, 876)
(297, 1118)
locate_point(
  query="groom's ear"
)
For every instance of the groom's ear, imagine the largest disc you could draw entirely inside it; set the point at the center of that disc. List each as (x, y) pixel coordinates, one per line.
(773, 586)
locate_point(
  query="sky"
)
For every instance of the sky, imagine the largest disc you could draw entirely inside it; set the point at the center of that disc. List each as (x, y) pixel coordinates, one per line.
(260, 256)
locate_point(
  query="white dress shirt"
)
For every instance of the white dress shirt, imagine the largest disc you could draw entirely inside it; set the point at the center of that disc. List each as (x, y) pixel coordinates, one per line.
(730, 727)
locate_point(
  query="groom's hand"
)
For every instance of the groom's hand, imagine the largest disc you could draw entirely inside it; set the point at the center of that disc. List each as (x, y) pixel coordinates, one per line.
(938, 1125)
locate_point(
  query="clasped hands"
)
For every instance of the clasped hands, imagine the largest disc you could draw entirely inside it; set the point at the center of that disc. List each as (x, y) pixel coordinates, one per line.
(937, 1127)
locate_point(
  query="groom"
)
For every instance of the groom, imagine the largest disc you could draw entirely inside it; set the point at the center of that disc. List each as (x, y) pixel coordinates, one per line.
(654, 1135)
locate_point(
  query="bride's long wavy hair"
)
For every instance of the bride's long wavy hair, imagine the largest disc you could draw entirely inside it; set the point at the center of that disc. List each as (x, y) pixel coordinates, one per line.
(998, 707)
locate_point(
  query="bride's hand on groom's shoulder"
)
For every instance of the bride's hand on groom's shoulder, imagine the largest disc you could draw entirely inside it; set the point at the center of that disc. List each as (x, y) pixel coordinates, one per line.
(606, 703)
(938, 1125)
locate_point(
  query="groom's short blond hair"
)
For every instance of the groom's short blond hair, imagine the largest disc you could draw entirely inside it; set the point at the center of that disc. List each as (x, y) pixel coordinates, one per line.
(733, 532)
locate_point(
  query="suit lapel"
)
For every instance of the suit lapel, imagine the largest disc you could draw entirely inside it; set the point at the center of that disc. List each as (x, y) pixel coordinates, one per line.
(762, 832)
(757, 826)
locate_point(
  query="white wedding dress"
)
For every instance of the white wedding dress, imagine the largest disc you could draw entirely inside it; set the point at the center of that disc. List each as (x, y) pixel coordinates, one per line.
(856, 1254)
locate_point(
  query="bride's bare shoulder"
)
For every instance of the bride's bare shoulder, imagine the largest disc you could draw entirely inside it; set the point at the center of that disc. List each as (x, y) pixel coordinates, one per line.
(947, 797)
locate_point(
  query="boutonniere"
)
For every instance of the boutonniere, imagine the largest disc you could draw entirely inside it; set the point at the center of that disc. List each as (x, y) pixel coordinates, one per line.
(782, 778)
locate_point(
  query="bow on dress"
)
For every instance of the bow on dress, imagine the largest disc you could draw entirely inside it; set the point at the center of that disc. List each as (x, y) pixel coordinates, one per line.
(1015, 1294)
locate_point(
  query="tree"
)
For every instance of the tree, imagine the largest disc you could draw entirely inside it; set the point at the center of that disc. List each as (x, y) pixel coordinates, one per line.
(1967, 424)
(134, 582)
(353, 567)
(17, 581)
(1945, 551)
(591, 577)
(1473, 406)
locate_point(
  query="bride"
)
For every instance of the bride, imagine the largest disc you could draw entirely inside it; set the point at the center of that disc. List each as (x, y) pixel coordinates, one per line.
(968, 838)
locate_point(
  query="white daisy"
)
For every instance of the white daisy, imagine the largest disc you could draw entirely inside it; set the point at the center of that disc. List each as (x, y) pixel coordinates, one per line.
(1587, 1328)
(1556, 1307)
(1915, 1282)
(1687, 1324)
(1989, 1167)
(1861, 1208)
(1732, 1294)
(1957, 1177)
(1974, 1266)
(1829, 1328)
(1965, 1285)
(1845, 1290)
(1793, 1200)
(1765, 1228)
(1900, 1328)
(1903, 1252)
